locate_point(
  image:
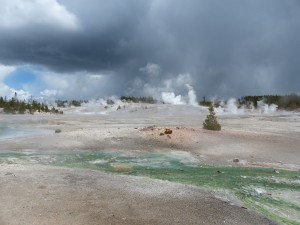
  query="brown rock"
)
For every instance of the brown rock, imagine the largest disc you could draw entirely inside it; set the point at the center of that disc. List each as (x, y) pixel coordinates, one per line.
(168, 131)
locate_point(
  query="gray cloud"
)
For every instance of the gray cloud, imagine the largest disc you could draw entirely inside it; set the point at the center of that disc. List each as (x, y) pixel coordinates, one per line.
(229, 48)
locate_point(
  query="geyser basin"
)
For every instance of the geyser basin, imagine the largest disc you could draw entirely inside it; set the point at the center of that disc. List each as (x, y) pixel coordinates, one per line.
(267, 190)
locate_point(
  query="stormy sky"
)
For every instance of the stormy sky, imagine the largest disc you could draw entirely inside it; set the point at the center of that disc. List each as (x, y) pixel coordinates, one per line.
(71, 49)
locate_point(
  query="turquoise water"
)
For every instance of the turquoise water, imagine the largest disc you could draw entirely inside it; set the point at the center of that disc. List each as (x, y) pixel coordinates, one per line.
(11, 131)
(8, 131)
(3, 130)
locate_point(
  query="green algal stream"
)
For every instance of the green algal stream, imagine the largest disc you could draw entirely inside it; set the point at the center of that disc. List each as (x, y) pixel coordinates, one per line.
(271, 192)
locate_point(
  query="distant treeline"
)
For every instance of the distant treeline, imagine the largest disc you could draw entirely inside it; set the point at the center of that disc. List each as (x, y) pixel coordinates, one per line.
(65, 103)
(149, 100)
(15, 106)
(288, 102)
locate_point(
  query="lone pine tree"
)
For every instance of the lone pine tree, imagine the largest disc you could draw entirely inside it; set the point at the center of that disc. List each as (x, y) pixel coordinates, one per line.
(211, 122)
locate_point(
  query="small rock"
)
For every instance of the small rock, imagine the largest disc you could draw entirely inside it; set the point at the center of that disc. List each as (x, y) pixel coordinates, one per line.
(236, 160)
(276, 171)
(161, 134)
(42, 187)
(260, 191)
(9, 174)
(218, 171)
(58, 131)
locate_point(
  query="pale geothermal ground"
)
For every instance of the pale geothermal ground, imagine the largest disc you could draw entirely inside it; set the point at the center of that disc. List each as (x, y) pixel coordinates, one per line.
(32, 192)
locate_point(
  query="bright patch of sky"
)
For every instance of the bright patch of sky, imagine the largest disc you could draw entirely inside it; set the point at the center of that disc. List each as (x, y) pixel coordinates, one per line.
(23, 80)
(20, 77)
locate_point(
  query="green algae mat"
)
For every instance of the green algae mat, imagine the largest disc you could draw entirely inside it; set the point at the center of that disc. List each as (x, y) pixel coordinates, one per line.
(274, 193)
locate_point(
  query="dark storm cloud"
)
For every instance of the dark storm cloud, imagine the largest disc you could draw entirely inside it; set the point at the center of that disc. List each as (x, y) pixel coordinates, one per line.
(229, 48)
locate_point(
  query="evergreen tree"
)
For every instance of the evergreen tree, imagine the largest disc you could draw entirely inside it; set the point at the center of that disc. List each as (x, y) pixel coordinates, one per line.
(211, 122)
(22, 108)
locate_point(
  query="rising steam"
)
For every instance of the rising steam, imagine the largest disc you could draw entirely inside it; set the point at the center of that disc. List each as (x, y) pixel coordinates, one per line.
(189, 99)
(232, 107)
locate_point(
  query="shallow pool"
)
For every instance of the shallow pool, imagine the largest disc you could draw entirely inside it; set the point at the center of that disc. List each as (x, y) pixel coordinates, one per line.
(8, 130)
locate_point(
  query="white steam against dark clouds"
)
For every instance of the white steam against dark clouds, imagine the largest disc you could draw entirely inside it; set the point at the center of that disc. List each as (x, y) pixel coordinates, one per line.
(95, 48)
